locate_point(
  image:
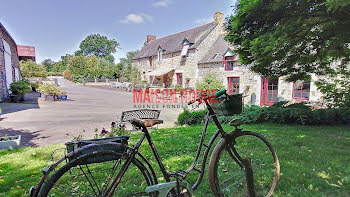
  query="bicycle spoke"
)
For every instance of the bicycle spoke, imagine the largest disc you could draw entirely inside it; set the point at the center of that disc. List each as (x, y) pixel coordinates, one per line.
(88, 180)
(93, 179)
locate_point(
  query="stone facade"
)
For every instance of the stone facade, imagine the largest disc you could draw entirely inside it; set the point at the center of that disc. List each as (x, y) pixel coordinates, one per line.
(188, 65)
(208, 56)
(4, 35)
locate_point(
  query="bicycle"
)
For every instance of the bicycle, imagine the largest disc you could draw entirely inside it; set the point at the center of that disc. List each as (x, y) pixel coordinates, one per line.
(235, 168)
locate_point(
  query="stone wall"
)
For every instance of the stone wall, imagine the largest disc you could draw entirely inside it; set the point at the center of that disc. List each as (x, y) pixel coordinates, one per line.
(250, 83)
(15, 62)
(188, 66)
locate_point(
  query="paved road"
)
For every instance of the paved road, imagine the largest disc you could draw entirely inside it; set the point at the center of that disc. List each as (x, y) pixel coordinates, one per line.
(44, 122)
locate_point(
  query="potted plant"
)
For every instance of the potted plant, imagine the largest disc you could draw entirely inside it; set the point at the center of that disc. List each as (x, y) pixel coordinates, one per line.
(62, 95)
(35, 85)
(18, 89)
(10, 142)
(50, 91)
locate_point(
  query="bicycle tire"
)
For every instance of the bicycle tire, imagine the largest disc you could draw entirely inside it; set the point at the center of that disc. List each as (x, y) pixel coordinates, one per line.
(69, 169)
(265, 180)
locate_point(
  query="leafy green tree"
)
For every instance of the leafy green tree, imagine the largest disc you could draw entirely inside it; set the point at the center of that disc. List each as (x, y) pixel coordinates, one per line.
(48, 64)
(128, 59)
(31, 69)
(98, 45)
(80, 66)
(293, 38)
(210, 81)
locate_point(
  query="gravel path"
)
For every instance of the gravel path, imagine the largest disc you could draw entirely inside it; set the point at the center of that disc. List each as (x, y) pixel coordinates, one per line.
(42, 123)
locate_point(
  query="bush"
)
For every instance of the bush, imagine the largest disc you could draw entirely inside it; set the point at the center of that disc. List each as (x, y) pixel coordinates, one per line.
(19, 87)
(298, 113)
(191, 118)
(210, 81)
(67, 74)
(31, 69)
(49, 89)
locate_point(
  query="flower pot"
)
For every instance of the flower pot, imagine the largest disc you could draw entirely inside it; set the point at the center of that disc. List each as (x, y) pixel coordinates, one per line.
(10, 142)
(15, 98)
(50, 98)
(63, 97)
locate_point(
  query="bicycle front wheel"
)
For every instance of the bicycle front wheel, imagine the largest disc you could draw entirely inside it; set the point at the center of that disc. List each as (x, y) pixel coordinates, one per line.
(83, 178)
(227, 171)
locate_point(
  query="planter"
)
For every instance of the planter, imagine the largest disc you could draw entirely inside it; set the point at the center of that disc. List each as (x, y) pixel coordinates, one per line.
(63, 97)
(10, 142)
(50, 98)
(15, 98)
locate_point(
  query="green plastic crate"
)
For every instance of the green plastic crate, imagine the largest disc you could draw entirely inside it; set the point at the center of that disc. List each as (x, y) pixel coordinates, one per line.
(228, 105)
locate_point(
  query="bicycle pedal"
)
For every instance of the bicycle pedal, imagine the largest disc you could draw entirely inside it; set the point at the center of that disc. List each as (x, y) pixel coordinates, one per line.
(164, 188)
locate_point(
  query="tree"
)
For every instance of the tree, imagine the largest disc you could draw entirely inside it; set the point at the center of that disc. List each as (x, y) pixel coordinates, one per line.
(293, 38)
(31, 69)
(128, 59)
(48, 64)
(80, 66)
(99, 46)
(210, 81)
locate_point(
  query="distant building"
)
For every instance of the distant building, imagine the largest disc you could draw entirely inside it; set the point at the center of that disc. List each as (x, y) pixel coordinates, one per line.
(26, 53)
(9, 62)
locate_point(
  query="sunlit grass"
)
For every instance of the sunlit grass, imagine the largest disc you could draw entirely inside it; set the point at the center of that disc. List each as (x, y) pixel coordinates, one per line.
(314, 160)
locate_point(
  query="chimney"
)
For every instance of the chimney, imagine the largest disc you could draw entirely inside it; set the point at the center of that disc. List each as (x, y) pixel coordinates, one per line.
(218, 17)
(150, 38)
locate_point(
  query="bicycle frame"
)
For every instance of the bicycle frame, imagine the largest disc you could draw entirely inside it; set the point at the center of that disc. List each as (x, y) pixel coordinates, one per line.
(167, 176)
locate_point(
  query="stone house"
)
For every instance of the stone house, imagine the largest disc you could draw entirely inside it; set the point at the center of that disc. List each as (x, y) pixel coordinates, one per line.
(185, 58)
(9, 63)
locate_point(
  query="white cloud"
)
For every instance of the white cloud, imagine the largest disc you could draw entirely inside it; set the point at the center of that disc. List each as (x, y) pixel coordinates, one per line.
(164, 3)
(203, 20)
(137, 18)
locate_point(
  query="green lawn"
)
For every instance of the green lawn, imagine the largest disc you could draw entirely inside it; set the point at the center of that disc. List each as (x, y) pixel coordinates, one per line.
(314, 160)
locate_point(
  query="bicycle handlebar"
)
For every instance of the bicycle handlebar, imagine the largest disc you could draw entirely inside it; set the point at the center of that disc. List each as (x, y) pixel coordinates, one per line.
(217, 94)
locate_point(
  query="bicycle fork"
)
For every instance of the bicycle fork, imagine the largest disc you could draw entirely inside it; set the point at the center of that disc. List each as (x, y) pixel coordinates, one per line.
(249, 176)
(247, 165)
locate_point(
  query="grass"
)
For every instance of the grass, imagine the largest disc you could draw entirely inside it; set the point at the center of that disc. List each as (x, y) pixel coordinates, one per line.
(314, 160)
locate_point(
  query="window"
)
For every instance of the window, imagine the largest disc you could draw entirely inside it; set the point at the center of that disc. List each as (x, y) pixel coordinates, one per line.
(229, 62)
(233, 85)
(301, 90)
(160, 55)
(269, 91)
(184, 50)
(179, 78)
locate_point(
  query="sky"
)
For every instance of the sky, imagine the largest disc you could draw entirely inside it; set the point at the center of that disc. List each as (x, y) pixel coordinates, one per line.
(56, 28)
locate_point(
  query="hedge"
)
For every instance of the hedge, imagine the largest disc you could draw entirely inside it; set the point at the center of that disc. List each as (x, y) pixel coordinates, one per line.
(280, 112)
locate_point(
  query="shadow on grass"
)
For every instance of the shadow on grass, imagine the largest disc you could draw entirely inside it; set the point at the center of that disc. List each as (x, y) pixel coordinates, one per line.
(27, 136)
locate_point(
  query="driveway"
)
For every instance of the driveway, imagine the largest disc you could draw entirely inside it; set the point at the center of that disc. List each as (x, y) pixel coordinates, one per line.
(42, 123)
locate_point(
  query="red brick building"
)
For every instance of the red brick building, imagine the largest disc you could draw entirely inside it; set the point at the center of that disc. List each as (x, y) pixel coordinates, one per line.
(9, 62)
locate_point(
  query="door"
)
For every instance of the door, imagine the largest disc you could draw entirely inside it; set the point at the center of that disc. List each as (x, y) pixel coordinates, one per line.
(233, 85)
(269, 91)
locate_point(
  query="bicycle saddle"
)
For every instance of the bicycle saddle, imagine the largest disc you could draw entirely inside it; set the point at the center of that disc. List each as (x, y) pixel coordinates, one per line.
(236, 122)
(144, 123)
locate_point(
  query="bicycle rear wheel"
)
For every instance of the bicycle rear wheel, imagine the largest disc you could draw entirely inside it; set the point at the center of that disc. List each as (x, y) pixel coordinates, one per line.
(227, 173)
(77, 178)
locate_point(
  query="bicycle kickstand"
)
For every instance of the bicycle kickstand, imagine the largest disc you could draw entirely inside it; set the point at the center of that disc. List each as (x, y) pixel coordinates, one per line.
(249, 177)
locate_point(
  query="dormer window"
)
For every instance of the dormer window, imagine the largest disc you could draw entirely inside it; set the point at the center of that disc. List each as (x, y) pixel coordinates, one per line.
(184, 50)
(230, 60)
(160, 54)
